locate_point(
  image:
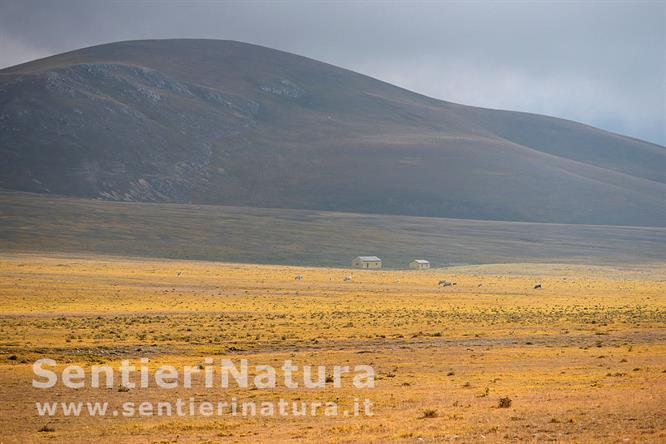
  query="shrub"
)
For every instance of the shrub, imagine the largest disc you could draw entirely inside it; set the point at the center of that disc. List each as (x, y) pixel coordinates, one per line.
(504, 402)
(429, 413)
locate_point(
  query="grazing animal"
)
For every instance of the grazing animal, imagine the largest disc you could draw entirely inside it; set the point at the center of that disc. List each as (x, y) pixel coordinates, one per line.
(444, 283)
(178, 274)
(349, 278)
(298, 277)
(537, 286)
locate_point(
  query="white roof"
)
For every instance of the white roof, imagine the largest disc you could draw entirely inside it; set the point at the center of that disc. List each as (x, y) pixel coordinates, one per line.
(369, 258)
(421, 261)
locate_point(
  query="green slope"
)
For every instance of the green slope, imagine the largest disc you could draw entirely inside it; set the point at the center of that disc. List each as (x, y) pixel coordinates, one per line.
(60, 224)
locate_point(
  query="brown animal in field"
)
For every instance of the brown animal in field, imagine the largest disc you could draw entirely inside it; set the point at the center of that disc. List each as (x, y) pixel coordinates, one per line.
(537, 286)
(298, 277)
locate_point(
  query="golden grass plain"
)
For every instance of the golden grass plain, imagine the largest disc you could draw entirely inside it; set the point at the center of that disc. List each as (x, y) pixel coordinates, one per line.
(583, 359)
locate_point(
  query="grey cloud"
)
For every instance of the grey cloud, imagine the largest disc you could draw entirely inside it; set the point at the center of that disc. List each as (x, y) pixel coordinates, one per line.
(601, 63)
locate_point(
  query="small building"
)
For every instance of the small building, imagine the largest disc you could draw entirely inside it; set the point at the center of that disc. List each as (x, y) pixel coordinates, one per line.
(369, 262)
(419, 264)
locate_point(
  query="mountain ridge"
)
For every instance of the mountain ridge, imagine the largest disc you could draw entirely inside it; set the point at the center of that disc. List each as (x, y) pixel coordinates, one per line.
(225, 122)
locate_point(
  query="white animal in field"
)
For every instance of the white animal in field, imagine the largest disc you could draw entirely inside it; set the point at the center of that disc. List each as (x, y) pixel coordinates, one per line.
(298, 277)
(444, 283)
(349, 278)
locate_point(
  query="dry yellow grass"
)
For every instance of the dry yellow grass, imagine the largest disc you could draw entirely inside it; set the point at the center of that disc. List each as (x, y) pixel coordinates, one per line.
(583, 359)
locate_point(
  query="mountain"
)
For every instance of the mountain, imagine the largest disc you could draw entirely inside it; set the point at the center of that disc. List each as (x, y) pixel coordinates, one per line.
(223, 122)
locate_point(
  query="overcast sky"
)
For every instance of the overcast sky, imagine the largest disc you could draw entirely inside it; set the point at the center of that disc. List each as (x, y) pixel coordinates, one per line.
(601, 63)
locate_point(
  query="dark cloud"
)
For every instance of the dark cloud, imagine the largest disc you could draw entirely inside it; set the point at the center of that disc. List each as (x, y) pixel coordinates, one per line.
(602, 63)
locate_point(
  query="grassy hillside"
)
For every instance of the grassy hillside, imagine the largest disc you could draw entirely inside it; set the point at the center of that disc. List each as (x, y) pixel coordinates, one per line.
(220, 122)
(254, 235)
